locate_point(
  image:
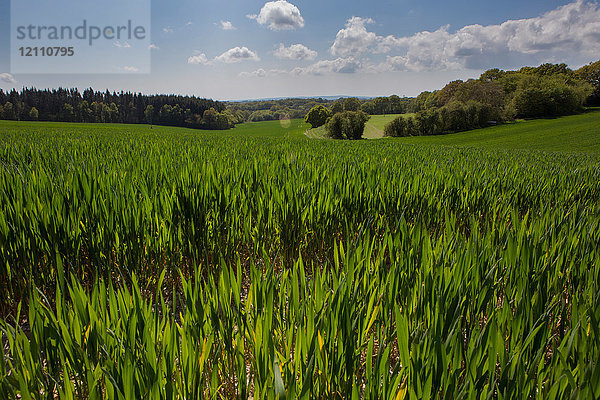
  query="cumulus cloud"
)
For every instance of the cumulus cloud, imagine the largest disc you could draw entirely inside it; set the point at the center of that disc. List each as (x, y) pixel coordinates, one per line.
(231, 56)
(347, 65)
(227, 26)
(572, 30)
(131, 69)
(237, 54)
(295, 52)
(7, 78)
(261, 73)
(199, 59)
(279, 15)
(354, 38)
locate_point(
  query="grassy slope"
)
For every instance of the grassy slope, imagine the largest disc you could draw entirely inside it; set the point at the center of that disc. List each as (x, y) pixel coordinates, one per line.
(577, 133)
(296, 128)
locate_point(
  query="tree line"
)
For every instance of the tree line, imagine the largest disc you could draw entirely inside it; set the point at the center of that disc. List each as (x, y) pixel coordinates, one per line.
(89, 106)
(498, 96)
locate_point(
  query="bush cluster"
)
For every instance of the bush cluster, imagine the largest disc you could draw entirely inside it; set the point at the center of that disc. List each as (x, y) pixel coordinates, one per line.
(347, 125)
(453, 117)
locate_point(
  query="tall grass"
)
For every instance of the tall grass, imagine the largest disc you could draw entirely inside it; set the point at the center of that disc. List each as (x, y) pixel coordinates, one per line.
(200, 266)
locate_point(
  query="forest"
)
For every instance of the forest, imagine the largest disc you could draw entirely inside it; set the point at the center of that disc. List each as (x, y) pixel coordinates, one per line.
(498, 96)
(71, 105)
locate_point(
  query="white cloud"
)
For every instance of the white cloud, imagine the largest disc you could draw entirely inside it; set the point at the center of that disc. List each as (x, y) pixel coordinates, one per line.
(131, 69)
(261, 73)
(568, 33)
(227, 26)
(348, 65)
(354, 38)
(123, 45)
(153, 47)
(231, 56)
(7, 78)
(295, 52)
(167, 30)
(279, 15)
(199, 59)
(237, 54)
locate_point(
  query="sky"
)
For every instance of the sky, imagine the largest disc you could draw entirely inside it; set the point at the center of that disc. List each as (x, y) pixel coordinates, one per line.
(246, 49)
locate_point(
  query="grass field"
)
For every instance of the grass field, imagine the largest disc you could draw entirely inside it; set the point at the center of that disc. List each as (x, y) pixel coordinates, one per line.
(577, 133)
(140, 262)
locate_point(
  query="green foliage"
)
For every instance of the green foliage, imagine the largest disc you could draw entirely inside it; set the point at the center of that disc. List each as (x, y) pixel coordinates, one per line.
(591, 73)
(318, 116)
(8, 111)
(425, 101)
(271, 110)
(352, 104)
(70, 105)
(548, 70)
(574, 134)
(337, 107)
(34, 114)
(453, 117)
(548, 97)
(347, 125)
(212, 119)
(185, 264)
(149, 114)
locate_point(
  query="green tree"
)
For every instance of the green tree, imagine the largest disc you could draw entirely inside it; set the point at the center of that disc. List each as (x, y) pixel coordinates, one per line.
(543, 96)
(492, 75)
(67, 113)
(347, 125)
(396, 128)
(351, 104)
(428, 122)
(34, 114)
(591, 74)
(9, 111)
(149, 114)
(318, 116)
(337, 107)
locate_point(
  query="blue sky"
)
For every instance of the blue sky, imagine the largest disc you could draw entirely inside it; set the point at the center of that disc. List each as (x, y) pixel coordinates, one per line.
(240, 49)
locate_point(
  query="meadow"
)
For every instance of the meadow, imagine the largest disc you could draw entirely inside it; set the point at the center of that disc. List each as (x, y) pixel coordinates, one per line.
(140, 262)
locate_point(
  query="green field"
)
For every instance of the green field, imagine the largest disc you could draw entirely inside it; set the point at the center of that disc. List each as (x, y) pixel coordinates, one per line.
(577, 133)
(140, 262)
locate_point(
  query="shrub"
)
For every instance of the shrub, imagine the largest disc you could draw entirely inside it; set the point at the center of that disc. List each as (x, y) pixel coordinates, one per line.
(347, 125)
(318, 116)
(396, 128)
(549, 97)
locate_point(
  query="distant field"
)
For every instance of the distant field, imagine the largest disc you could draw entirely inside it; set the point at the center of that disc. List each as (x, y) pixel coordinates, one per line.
(293, 128)
(577, 133)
